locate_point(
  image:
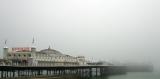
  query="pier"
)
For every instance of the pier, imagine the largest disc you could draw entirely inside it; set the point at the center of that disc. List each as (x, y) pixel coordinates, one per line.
(37, 71)
(19, 62)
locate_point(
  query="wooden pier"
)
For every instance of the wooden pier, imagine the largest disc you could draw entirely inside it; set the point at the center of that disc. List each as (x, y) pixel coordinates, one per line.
(82, 71)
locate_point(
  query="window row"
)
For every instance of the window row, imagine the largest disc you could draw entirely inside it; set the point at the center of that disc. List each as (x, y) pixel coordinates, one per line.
(19, 55)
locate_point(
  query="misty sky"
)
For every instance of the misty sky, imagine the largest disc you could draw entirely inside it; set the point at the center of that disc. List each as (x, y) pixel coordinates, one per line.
(117, 30)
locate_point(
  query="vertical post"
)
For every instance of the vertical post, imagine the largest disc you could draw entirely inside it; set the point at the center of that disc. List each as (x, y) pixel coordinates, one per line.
(7, 73)
(50, 72)
(2, 74)
(10, 73)
(39, 72)
(47, 72)
(96, 71)
(13, 73)
(18, 72)
(100, 72)
(90, 72)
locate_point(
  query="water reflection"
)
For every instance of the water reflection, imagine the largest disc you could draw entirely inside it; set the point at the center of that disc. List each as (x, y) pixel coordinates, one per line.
(105, 77)
(65, 77)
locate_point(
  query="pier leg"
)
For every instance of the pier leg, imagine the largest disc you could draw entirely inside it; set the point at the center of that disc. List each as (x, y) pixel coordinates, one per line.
(2, 74)
(90, 72)
(13, 73)
(96, 72)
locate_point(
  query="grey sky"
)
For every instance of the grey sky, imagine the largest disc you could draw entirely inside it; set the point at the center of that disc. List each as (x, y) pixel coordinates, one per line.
(121, 30)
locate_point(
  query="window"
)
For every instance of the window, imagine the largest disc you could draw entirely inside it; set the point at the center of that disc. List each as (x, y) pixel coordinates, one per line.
(29, 55)
(9, 55)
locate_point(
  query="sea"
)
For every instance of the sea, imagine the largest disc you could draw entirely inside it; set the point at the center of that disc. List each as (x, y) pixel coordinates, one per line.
(129, 75)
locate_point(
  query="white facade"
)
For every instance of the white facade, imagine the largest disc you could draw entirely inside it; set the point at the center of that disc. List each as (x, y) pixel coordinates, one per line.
(46, 57)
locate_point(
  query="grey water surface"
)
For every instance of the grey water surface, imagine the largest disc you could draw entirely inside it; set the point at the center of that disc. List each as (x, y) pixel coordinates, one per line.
(130, 75)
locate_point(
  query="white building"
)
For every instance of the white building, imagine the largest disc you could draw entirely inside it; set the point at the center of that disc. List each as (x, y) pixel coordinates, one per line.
(28, 56)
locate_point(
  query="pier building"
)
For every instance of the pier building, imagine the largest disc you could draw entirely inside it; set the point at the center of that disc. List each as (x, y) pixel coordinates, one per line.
(29, 56)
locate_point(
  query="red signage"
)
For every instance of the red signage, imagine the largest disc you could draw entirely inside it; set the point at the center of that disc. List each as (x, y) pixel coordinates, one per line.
(21, 49)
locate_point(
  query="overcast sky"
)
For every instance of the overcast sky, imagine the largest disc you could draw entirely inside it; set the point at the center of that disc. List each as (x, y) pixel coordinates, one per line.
(117, 30)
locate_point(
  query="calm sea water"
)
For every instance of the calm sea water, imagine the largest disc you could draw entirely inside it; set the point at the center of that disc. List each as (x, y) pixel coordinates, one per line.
(134, 75)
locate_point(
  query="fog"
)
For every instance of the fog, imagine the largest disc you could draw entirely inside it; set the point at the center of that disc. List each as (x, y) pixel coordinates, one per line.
(111, 30)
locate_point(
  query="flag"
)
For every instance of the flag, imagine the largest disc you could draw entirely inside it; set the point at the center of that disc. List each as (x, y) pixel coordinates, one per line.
(33, 41)
(5, 42)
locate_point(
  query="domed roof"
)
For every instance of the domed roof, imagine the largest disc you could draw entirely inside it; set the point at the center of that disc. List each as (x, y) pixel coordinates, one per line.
(50, 51)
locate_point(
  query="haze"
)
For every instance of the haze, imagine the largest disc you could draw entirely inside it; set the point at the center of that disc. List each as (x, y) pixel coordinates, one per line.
(111, 30)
